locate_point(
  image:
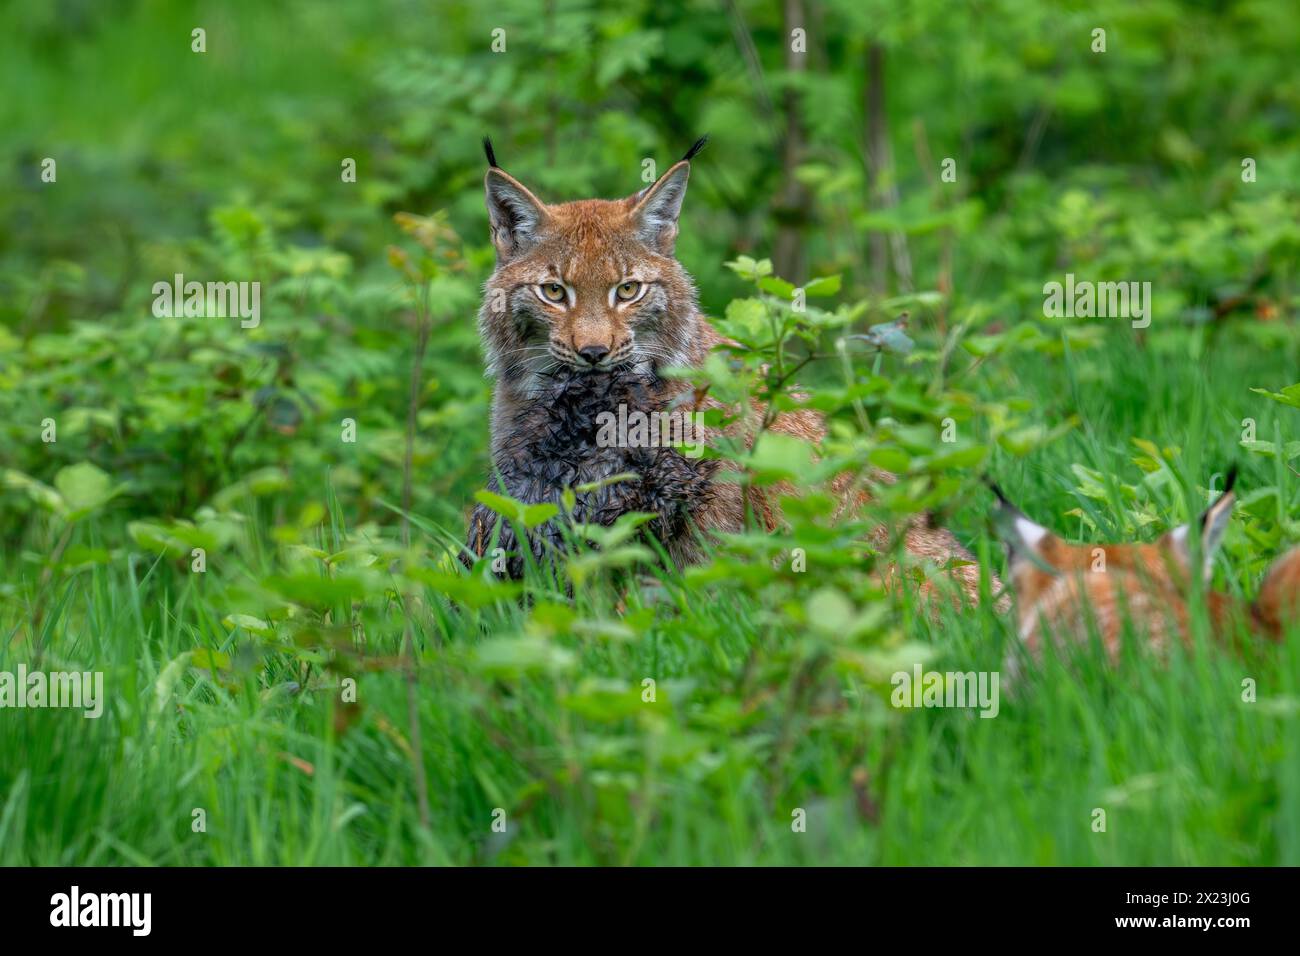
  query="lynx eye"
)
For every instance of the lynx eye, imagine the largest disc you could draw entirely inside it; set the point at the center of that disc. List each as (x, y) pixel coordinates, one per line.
(553, 292)
(627, 291)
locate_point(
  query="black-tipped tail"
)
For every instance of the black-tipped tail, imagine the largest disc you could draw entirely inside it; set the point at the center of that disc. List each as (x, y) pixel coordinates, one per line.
(491, 155)
(698, 145)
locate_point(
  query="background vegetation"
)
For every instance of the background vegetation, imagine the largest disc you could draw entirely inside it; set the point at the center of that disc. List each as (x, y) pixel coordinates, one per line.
(771, 685)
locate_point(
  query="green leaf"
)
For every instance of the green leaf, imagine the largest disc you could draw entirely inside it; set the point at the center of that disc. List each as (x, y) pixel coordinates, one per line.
(777, 287)
(781, 455)
(539, 514)
(264, 481)
(513, 656)
(606, 699)
(503, 505)
(253, 625)
(829, 611)
(318, 591)
(583, 566)
(38, 491)
(748, 268)
(823, 286)
(1288, 396)
(959, 458)
(890, 459)
(168, 678)
(84, 488)
(1268, 449)
(746, 320)
(530, 516)
(474, 592)
(206, 659)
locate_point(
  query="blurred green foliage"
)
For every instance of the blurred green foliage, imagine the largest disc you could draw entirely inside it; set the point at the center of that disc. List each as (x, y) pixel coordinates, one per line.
(177, 434)
(226, 164)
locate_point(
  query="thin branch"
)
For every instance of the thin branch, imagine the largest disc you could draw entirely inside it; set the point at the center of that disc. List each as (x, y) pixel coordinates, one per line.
(412, 678)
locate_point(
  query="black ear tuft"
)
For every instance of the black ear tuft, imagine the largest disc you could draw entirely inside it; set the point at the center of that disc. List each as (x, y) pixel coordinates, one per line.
(1022, 537)
(993, 487)
(698, 145)
(1231, 480)
(491, 156)
(1214, 522)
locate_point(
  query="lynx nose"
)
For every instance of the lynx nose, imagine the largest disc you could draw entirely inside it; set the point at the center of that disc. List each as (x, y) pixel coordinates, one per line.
(593, 353)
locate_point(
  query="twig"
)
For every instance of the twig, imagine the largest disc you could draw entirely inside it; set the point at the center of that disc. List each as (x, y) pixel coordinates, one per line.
(745, 43)
(412, 679)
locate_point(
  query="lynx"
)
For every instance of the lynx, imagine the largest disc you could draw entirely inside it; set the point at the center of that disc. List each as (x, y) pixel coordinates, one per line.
(588, 300)
(1066, 592)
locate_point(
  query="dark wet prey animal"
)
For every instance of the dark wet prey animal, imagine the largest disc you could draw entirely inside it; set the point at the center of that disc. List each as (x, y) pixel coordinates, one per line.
(555, 443)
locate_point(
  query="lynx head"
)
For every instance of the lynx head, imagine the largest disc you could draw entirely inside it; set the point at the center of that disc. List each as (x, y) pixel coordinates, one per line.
(1036, 557)
(588, 285)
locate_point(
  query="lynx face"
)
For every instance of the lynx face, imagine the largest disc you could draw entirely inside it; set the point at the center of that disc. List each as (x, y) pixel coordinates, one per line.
(589, 285)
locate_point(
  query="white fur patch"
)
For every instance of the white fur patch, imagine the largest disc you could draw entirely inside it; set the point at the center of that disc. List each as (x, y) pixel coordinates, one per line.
(1029, 532)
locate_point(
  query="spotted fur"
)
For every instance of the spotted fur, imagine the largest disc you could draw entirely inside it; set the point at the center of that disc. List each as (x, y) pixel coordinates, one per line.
(1066, 593)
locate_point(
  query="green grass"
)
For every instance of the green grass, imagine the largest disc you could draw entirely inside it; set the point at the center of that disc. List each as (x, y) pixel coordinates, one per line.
(227, 165)
(752, 719)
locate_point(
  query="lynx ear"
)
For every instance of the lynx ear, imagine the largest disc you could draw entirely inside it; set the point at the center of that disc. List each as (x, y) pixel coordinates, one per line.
(1214, 522)
(515, 214)
(1023, 538)
(655, 209)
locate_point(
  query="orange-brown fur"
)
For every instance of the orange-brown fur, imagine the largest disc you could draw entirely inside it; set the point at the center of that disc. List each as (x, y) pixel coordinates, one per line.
(1066, 592)
(1277, 606)
(590, 248)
